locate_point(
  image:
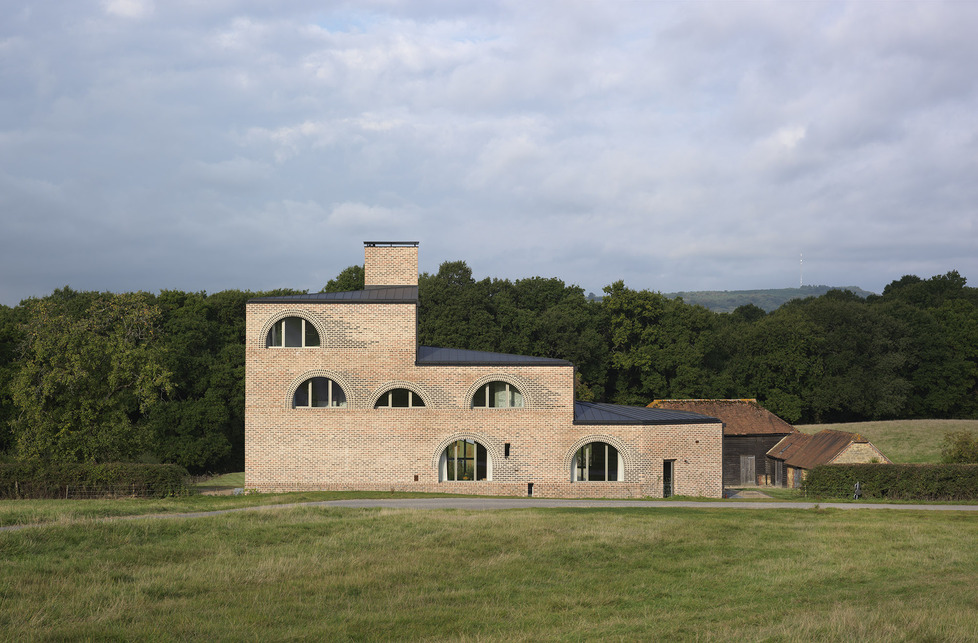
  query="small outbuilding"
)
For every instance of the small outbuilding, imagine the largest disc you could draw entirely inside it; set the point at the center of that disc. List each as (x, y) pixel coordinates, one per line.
(796, 454)
(749, 432)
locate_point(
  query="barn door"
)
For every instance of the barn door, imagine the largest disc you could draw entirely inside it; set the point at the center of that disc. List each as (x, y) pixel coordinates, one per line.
(748, 474)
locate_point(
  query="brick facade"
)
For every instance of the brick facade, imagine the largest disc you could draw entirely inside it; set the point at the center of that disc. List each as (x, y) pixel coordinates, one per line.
(390, 264)
(369, 346)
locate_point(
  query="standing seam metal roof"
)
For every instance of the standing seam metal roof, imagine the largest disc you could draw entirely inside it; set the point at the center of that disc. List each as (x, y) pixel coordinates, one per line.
(433, 356)
(378, 295)
(599, 413)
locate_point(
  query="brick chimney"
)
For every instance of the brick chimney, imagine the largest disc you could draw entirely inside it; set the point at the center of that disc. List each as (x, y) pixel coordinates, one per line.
(390, 263)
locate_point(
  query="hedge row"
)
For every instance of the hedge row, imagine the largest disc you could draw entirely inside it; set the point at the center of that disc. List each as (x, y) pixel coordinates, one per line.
(894, 481)
(32, 480)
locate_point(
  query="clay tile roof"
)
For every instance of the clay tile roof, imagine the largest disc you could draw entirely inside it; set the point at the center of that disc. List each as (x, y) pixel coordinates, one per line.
(739, 417)
(806, 451)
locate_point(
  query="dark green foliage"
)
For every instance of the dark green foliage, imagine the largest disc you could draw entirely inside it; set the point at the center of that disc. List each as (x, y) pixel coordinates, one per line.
(894, 481)
(90, 366)
(84, 480)
(178, 363)
(960, 447)
(351, 278)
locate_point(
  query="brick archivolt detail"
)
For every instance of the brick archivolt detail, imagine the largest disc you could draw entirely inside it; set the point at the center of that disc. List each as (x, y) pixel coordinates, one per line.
(411, 386)
(293, 312)
(333, 375)
(514, 380)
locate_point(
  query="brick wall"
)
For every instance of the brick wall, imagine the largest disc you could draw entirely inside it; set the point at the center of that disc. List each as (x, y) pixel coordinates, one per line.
(390, 265)
(370, 348)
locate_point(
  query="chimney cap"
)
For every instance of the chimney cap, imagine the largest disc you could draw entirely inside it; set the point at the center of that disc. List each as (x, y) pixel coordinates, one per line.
(390, 244)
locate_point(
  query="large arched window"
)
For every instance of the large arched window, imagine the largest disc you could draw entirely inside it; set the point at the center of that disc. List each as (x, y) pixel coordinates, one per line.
(319, 392)
(399, 398)
(465, 460)
(597, 462)
(292, 332)
(497, 395)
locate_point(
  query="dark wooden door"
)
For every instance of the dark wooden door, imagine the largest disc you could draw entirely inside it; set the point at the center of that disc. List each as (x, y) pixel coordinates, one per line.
(748, 473)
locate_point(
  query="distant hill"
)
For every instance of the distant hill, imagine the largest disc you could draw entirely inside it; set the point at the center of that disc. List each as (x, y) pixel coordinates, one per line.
(726, 301)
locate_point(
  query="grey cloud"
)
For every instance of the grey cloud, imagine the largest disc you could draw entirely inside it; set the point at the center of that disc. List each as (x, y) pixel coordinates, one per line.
(673, 145)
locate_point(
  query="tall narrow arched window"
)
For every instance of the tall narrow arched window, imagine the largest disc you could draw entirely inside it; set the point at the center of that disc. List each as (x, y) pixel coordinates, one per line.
(465, 460)
(497, 395)
(597, 462)
(292, 332)
(319, 392)
(399, 398)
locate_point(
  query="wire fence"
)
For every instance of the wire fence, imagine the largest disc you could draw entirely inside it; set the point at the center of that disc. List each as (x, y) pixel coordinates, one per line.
(30, 490)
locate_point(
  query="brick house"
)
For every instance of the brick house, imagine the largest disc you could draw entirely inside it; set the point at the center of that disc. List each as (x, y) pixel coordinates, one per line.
(796, 454)
(339, 395)
(749, 432)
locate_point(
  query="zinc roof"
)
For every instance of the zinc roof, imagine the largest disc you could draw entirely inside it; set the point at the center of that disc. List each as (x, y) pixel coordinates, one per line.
(377, 295)
(433, 356)
(599, 413)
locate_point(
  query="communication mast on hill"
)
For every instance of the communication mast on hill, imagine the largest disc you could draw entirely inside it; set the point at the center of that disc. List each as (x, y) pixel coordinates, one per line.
(801, 270)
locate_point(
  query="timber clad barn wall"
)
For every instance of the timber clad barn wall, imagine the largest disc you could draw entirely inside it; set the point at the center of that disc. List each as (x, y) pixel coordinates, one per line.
(368, 346)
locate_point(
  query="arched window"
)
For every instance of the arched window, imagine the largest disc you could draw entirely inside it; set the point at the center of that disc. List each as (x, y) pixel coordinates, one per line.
(465, 460)
(292, 332)
(399, 398)
(319, 392)
(497, 395)
(597, 462)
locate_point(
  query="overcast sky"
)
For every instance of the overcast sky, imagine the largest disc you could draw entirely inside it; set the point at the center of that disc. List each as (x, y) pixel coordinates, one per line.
(190, 145)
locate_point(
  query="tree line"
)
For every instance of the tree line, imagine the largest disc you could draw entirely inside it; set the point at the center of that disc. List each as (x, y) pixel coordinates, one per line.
(87, 376)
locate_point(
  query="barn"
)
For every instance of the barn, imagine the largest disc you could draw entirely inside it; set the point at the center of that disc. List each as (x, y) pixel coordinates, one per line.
(749, 432)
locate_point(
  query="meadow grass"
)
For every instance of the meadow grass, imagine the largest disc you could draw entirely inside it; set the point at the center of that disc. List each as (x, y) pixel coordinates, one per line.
(902, 441)
(520, 575)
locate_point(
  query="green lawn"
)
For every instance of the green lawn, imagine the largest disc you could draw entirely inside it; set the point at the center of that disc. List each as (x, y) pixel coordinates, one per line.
(518, 575)
(902, 441)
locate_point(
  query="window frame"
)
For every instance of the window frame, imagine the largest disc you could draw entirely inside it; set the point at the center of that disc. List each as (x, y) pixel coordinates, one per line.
(448, 463)
(309, 384)
(511, 392)
(577, 467)
(279, 328)
(415, 401)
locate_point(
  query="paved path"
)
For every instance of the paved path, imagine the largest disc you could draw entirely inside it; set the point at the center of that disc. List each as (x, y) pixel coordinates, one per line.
(484, 504)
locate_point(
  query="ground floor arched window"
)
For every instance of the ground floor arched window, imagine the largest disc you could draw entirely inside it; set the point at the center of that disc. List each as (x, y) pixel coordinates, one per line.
(597, 462)
(465, 460)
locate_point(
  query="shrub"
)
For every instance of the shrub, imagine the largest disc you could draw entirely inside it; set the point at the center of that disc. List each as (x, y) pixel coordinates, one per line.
(960, 446)
(35, 480)
(894, 481)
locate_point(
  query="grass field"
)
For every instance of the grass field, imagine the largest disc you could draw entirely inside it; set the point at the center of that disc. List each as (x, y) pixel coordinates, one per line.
(902, 441)
(520, 575)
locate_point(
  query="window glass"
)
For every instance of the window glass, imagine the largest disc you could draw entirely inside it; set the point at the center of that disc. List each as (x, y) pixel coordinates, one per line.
(497, 395)
(293, 332)
(275, 335)
(338, 397)
(319, 392)
(312, 337)
(400, 397)
(466, 460)
(597, 462)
